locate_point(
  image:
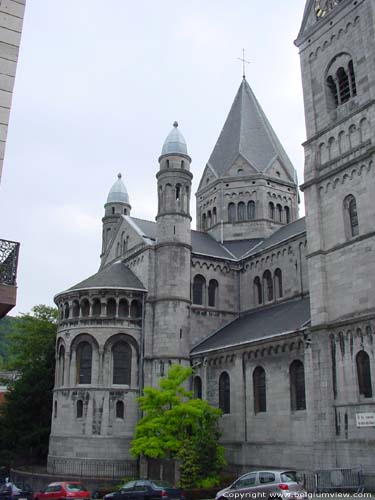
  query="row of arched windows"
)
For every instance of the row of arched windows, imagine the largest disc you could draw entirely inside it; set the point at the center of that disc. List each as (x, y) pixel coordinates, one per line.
(296, 384)
(121, 363)
(96, 308)
(209, 219)
(269, 287)
(241, 212)
(119, 409)
(203, 295)
(279, 213)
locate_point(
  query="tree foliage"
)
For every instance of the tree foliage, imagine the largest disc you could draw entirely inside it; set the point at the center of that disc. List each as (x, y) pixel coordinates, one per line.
(177, 426)
(25, 417)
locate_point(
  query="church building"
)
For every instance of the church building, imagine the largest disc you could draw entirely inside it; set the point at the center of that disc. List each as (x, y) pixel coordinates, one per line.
(274, 312)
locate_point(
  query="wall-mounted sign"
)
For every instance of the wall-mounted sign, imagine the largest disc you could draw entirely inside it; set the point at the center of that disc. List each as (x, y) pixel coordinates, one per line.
(365, 419)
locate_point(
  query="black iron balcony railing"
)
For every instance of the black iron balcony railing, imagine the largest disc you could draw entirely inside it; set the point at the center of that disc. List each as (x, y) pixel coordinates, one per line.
(8, 262)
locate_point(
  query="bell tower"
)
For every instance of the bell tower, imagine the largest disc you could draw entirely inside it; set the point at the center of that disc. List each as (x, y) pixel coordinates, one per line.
(117, 205)
(337, 50)
(173, 252)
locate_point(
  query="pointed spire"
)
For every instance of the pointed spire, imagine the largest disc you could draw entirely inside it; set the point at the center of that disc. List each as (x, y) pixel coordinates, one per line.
(248, 132)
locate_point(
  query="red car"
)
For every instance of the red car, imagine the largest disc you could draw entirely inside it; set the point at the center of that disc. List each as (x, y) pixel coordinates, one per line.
(63, 490)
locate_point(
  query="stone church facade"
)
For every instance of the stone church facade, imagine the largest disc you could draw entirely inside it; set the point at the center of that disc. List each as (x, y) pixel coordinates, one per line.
(274, 312)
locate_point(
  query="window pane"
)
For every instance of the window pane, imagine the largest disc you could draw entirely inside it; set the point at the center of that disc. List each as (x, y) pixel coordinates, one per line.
(122, 358)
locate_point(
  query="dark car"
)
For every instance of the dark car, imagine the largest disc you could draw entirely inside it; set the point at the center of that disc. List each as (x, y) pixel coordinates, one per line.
(9, 491)
(146, 490)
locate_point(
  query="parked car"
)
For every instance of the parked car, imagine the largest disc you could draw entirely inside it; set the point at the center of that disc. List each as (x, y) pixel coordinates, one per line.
(267, 484)
(146, 490)
(9, 491)
(65, 489)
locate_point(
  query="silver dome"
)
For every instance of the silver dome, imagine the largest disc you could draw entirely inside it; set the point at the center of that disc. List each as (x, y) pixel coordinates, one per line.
(118, 192)
(174, 143)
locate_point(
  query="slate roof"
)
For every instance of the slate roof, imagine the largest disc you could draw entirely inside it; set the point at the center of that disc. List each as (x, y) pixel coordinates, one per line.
(284, 233)
(242, 247)
(202, 243)
(258, 325)
(248, 132)
(115, 276)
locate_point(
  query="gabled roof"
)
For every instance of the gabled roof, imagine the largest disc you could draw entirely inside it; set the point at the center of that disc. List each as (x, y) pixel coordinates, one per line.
(247, 132)
(259, 325)
(114, 276)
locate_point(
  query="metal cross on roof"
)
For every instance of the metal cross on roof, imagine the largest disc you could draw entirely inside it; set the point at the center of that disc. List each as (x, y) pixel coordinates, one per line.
(244, 61)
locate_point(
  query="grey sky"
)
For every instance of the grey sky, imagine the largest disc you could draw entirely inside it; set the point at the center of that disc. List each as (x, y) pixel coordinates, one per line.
(98, 87)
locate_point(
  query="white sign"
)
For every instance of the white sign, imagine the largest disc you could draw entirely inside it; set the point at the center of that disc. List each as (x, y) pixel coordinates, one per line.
(365, 419)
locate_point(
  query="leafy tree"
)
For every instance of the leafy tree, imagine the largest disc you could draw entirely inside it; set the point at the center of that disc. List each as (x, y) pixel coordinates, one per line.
(25, 417)
(177, 426)
(7, 325)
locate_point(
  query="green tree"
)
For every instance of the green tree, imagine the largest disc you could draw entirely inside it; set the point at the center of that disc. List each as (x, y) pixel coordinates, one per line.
(175, 425)
(25, 417)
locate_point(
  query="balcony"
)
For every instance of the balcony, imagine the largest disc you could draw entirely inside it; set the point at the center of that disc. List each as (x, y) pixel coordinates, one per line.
(8, 275)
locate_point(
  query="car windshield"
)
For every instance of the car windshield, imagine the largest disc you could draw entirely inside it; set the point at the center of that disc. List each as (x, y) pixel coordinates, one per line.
(289, 476)
(75, 487)
(161, 484)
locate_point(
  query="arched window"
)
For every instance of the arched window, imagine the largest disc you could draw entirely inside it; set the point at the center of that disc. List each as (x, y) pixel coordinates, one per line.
(136, 309)
(209, 218)
(241, 211)
(84, 363)
(61, 365)
(343, 82)
(224, 393)
(79, 408)
(258, 290)
(268, 285)
(287, 214)
(178, 192)
(280, 213)
(278, 283)
(214, 216)
(332, 92)
(297, 386)
(259, 385)
(66, 310)
(204, 221)
(197, 387)
(232, 212)
(212, 293)
(199, 285)
(123, 308)
(272, 210)
(122, 363)
(352, 78)
(75, 309)
(251, 210)
(85, 308)
(364, 374)
(111, 307)
(120, 410)
(351, 216)
(96, 307)
(55, 409)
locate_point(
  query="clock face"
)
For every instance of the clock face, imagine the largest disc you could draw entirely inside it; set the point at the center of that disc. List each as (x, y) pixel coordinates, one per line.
(323, 7)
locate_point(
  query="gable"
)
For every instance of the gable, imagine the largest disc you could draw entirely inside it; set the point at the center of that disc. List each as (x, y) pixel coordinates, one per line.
(240, 167)
(124, 238)
(308, 20)
(277, 170)
(209, 175)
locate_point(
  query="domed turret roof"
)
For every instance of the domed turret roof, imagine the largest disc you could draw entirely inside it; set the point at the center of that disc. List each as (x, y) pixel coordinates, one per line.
(118, 192)
(174, 143)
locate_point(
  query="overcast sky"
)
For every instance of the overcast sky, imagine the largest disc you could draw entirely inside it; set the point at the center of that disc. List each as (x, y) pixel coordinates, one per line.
(98, 87)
